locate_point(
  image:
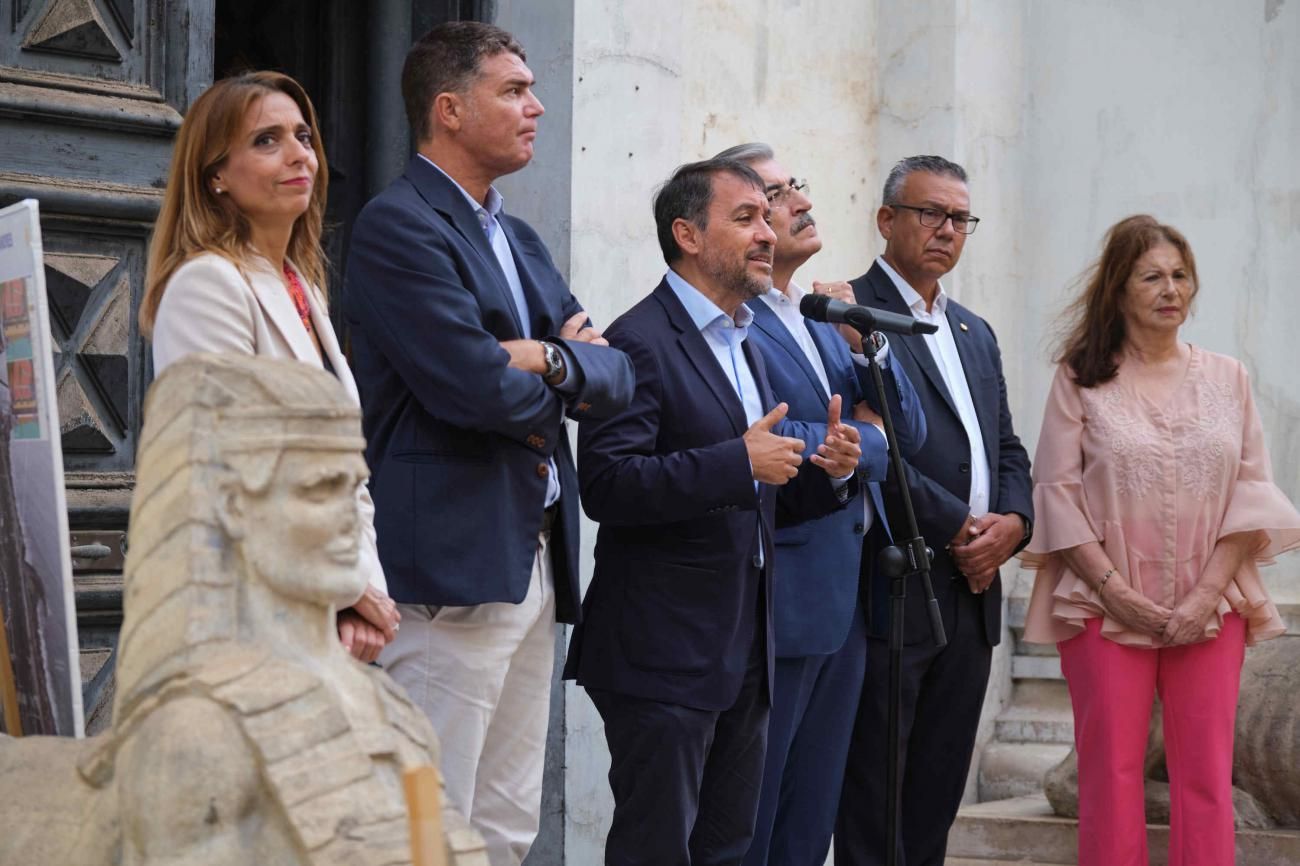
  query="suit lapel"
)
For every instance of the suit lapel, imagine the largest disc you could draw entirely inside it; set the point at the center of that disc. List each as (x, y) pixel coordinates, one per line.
(702, 358)
(274, 299)
(759, 370)
(543, 323)
(767, 321)
(915, 346)
(961, 335)
(329, 344)
(765, 400)
(834, 354)
(452, 205)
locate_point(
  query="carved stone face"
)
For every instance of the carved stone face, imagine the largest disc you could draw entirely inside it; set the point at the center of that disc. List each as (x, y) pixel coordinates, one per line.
(302, 535)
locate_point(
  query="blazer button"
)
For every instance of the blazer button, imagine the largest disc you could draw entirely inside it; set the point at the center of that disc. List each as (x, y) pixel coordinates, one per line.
(964, 468)
(859, 528)
(543, 470)
(758, 561)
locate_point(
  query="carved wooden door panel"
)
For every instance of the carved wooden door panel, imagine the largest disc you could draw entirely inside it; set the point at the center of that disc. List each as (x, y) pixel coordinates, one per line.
(91, 94)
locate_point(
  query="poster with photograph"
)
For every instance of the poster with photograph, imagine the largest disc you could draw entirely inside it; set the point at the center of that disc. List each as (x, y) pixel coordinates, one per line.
(39, 616)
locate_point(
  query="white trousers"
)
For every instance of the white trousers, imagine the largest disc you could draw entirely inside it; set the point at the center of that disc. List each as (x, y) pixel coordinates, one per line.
(483, 676)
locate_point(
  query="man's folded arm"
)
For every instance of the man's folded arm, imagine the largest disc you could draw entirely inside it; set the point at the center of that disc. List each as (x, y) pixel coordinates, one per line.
(602, 380)
(416, 311)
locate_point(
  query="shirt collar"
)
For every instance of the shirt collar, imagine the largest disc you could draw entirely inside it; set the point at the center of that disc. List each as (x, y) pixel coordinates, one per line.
(911, 297)
(493, 202)
(704, 312)
(792, 295)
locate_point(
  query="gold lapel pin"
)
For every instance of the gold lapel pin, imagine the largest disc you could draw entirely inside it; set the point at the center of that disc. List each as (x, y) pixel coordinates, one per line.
(962, 325)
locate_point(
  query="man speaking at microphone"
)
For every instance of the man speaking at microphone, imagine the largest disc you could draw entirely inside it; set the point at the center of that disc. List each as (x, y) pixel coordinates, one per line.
(688, 485)
(820, 627)
(970, 487)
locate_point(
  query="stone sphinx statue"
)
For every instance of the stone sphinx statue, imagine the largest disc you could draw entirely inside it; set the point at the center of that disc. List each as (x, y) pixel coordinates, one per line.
(1266, 753)
(242, 731)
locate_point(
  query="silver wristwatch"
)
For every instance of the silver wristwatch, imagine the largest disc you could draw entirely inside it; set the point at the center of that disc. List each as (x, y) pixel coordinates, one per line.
(554, 360)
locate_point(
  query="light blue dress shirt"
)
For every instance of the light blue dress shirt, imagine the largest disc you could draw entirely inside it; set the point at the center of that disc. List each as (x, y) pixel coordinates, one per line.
(725, 337)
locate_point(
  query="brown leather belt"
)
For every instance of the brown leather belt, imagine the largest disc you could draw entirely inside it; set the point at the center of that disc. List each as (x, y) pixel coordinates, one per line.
(548, 517)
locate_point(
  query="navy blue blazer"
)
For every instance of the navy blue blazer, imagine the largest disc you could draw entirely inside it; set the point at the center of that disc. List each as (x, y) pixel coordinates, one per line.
(815, 583)
(457, 441)
(678, 596)
(938, 476)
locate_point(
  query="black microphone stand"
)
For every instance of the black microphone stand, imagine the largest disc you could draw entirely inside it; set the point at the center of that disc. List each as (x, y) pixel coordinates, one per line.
(898, 562)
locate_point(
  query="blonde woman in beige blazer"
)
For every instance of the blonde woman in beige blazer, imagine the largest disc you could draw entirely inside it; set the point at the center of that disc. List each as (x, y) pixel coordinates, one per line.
(236, 266)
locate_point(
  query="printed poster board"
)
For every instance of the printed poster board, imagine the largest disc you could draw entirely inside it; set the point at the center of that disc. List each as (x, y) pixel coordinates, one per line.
(39, 615)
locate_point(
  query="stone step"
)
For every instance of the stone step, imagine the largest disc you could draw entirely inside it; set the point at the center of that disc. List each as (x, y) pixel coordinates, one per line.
(968, 861)
(1025, 667)
(1038, 712)
(1025, 828)
(1035, 724)
(1016, 769)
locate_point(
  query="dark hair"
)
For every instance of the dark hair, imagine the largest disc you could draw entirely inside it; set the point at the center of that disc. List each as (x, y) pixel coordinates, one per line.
(904, 167)
(688, 194)
(447, 60)
(1093, 325)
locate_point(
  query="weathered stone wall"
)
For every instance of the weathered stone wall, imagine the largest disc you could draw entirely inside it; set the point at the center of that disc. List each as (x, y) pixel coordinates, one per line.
(1069, 116)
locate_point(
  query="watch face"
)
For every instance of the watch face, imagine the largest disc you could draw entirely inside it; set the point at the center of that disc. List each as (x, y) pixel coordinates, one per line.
(552, 359)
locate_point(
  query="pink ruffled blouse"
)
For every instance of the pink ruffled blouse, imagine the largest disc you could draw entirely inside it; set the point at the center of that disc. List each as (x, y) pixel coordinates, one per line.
(1157, 486)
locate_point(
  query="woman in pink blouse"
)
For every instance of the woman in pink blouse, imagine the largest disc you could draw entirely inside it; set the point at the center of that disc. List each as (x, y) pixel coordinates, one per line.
(1156, 506)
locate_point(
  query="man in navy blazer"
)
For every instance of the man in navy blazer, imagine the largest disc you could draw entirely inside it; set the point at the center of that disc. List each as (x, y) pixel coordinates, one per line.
(820, 625)
(675, 646)
(971, 491)
(469, 352)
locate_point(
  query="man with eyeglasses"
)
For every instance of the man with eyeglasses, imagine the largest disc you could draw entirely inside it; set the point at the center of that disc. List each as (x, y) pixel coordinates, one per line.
(819, 626)
(971, 491)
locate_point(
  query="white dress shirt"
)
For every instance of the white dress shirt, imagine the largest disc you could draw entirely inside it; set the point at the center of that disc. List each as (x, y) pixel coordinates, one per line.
(943, 348)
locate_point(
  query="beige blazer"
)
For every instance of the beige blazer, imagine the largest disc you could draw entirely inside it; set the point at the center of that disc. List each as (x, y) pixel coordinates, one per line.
(209, 306)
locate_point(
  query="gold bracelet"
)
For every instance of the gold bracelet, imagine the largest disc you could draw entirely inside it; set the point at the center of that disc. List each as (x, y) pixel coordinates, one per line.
(1105, 577)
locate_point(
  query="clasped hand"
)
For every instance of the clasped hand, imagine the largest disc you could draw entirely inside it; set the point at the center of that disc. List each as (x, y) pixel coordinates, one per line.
(982, 544)
(369, 625)
(1183, 625)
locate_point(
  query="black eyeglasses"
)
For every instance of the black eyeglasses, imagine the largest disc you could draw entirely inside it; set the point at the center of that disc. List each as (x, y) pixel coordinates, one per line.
(780, 196)
(933, 218)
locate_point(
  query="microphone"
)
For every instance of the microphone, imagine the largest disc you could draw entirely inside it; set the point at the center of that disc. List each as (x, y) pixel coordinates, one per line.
(823, 308)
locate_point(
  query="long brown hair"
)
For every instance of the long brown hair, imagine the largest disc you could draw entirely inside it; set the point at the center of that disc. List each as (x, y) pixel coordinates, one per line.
(195, 220)
(1093, 324)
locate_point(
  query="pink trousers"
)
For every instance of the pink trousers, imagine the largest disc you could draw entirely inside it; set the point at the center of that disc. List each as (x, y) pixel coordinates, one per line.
(1111, 689)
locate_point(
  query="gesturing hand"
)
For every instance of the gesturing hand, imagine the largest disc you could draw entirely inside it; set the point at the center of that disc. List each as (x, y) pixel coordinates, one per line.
(774, 459)
(578, 328)
(842, 291)
(840, 451)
